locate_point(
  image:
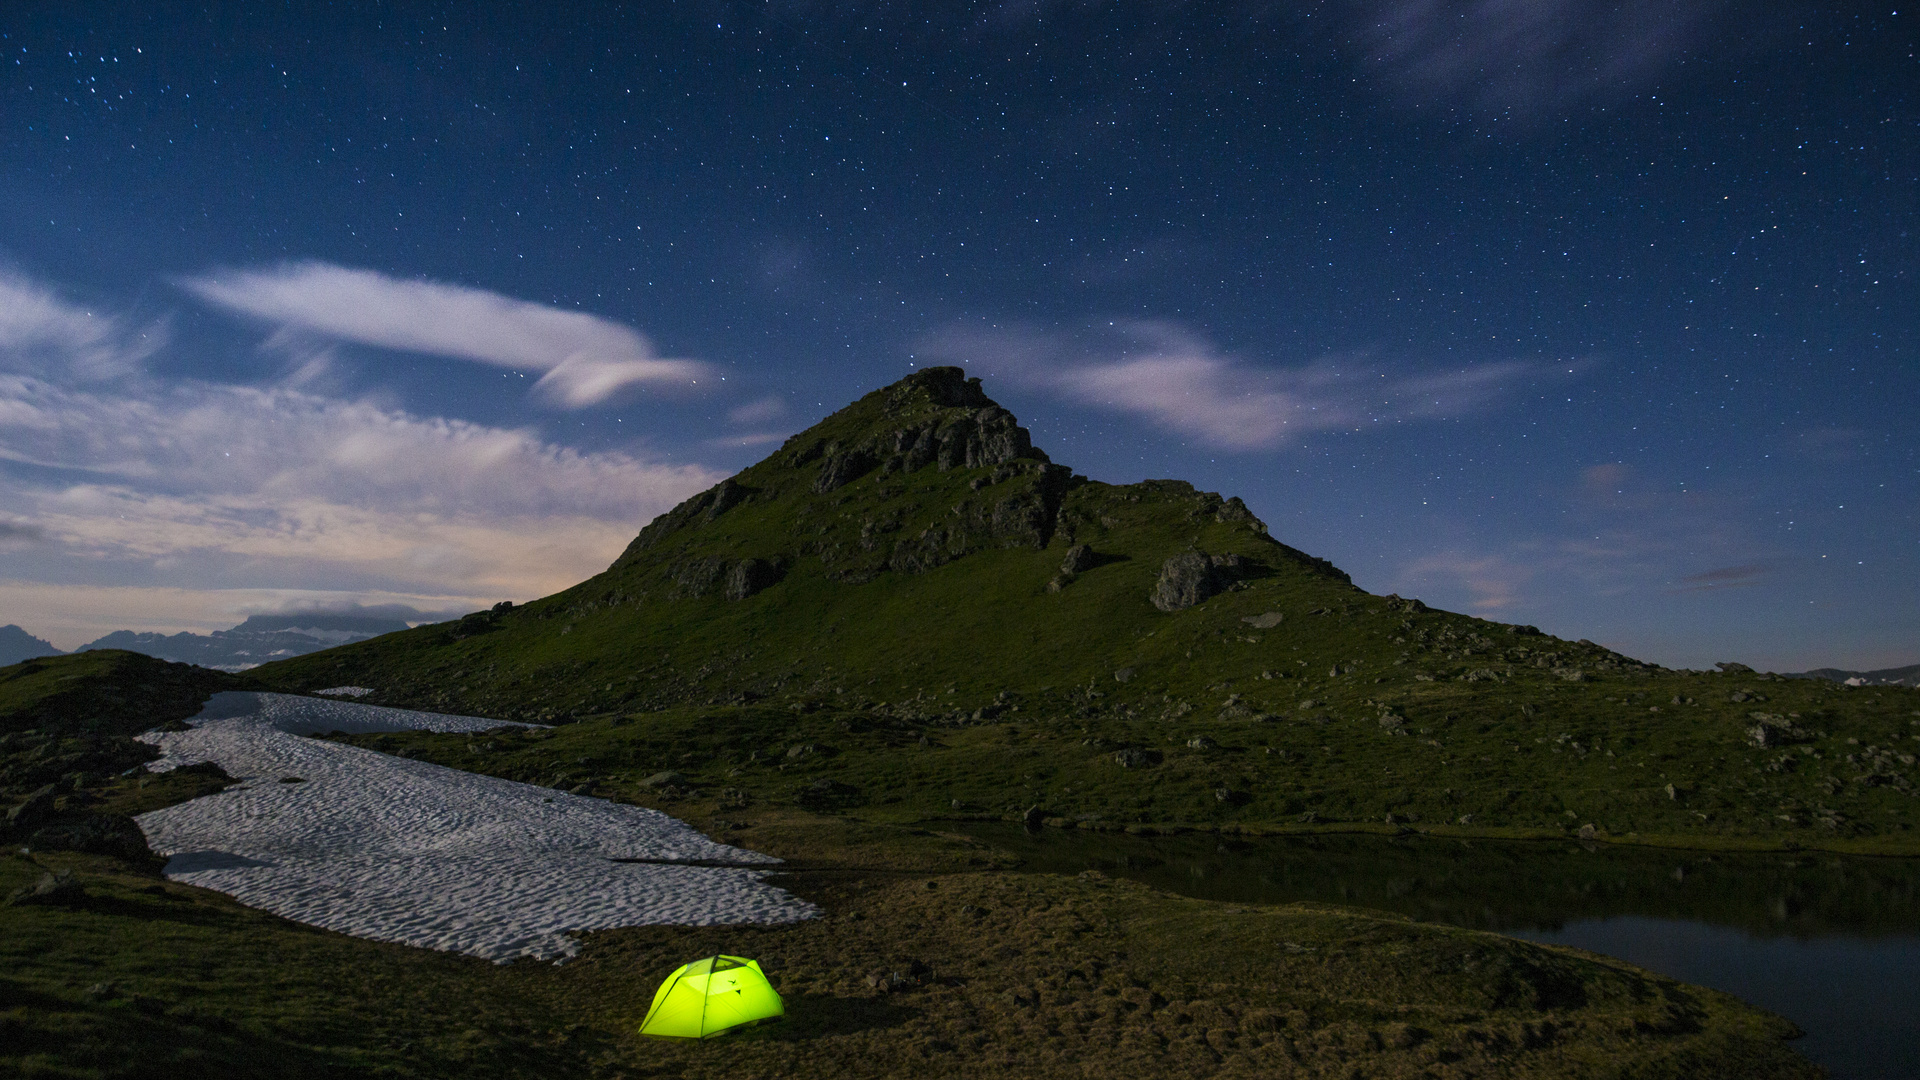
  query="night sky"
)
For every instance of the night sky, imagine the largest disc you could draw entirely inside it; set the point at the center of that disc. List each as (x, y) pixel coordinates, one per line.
(1596, 316)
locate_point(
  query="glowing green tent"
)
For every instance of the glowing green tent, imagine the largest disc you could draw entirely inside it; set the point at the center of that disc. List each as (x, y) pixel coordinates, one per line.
(711, 996)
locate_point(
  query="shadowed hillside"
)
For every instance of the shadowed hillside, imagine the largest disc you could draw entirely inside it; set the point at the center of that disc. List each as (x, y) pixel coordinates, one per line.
(912, 571)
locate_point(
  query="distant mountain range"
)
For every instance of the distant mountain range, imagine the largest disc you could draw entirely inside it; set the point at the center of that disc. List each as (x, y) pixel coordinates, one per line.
(1896, 676)
(17, 645)
(254, 642)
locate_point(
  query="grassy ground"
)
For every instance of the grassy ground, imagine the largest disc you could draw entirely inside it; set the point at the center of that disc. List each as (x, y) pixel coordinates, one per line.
(928, 970)
(804, 603)
(70, 770)
(1550, 775)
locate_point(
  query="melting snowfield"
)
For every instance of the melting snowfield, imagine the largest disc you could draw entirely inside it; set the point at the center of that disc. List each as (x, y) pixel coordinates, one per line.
(396, 850)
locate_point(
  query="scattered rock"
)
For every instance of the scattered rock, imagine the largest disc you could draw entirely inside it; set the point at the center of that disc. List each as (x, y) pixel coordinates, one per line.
(1772, 729)
(1393, 725)
(664, 779)
(1588, 832)
(53, 889)
(1201, 742)
(1265, 620)
(1465, 819)
(1034, 817)
(1134, 758)
(1732, 668)
(1124, 674)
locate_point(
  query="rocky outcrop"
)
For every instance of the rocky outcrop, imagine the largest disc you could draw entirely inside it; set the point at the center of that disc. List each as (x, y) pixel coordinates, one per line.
(1023, 517)
(1190, 577)
(842, 468)
(966, 439)
(749, 576)
(702, 508)
(736, 579)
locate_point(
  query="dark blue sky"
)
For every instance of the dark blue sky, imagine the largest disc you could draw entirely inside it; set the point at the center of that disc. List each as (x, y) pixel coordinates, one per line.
(1594, 316)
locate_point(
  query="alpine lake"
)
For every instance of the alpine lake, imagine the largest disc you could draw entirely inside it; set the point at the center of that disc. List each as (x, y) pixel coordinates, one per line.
(1831, 942)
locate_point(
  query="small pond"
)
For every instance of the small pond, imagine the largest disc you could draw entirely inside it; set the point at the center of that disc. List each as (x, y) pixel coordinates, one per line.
(1830, 942)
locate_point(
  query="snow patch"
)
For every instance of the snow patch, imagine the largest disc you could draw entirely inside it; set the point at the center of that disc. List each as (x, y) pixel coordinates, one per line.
(405, 851)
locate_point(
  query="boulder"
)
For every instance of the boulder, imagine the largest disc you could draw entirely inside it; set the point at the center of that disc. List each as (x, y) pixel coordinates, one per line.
(1264, 621)
(1079, 560)
(1191, 577)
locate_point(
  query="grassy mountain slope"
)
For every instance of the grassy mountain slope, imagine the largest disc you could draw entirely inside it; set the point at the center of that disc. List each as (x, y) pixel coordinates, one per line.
(69, 765)
(910, 612)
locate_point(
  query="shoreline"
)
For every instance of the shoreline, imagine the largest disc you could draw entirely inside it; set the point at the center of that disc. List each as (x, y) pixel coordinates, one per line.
(1874, 847)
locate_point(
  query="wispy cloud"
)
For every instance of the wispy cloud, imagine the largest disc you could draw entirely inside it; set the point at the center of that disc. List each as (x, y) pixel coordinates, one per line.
(1527, 58)
(1725, 577)
(1619, 543)
(586, 359)
(19, 534)
(1175, 379)
(1494, 583)
(269, 475)
(132, 482)
(767, 408)
(40, 333)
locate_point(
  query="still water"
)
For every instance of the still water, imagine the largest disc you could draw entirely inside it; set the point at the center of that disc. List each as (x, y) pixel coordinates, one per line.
(1829, 942)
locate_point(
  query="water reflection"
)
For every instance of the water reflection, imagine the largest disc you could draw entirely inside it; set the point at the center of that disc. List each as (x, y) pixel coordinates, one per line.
(1506, 886)
(1854, 997)
(1830, 942)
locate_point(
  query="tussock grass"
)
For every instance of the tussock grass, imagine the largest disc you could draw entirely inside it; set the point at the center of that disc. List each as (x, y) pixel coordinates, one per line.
(962, 973)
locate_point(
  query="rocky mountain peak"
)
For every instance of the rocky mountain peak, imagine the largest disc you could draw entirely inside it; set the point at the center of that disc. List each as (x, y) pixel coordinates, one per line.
(936, 419)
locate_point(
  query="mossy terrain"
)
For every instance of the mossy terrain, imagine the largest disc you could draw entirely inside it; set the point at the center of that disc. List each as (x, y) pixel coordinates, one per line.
(910, 568)
(1235, 775)
(70, 769)
(954, 973)
(105, 692)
